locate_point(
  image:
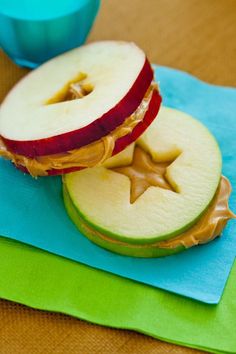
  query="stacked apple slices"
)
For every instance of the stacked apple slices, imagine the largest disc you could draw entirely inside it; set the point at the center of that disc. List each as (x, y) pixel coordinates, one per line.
(78, 109)
(162, 192)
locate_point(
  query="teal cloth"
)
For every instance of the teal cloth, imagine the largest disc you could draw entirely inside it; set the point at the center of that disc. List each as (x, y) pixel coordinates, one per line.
(32, 211)
(48, 282)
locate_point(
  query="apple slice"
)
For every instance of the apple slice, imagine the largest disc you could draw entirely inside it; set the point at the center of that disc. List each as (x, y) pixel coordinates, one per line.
(75, 99)
(209, 226)
(174, 174)
(64, 165)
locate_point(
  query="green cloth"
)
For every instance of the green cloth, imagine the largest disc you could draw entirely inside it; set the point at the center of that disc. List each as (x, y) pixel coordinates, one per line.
(45, 281)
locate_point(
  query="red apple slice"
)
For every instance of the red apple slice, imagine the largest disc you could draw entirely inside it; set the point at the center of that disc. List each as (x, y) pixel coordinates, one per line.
(37, 119)
(124, 141)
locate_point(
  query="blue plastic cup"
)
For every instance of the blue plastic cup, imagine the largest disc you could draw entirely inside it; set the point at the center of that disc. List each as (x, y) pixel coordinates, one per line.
(33, 31)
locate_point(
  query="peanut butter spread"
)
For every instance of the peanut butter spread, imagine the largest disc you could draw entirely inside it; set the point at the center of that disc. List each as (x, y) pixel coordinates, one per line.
(87, 156)
(209, 226)
(144, 173)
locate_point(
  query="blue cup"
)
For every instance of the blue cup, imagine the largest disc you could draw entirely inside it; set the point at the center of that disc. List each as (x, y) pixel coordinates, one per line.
(33, 31)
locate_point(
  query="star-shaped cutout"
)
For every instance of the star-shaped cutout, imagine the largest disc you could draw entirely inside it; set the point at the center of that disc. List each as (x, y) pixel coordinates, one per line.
(144, 173)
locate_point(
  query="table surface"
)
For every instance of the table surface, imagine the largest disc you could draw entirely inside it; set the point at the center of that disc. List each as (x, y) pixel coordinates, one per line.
(197, 36)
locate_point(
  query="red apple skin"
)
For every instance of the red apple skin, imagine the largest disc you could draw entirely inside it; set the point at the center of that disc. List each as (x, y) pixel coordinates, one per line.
(123, 142)
(92, 132)
(150, 115)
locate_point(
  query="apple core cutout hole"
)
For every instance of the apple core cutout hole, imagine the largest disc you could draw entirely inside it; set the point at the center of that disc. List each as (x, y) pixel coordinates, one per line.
(76, 88)
(144, 172)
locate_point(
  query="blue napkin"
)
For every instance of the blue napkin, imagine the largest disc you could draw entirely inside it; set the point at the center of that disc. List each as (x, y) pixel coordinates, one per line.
(32, 211)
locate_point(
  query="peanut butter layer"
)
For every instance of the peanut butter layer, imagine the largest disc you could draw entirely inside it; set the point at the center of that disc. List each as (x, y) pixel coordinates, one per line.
(208, 227)
(211, 223)
(88, 156)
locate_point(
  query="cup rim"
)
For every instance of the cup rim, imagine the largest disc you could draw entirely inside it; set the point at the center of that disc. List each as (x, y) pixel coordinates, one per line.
(48, 18)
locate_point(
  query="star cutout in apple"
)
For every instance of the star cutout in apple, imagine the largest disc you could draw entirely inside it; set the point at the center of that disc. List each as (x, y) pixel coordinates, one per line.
(143, 173)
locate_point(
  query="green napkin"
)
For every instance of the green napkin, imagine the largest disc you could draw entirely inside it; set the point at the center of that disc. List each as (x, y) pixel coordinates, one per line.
(48, 282)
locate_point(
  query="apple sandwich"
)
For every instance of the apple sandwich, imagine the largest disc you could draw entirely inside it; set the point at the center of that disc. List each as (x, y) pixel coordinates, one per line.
(78, 109)
(132, 187)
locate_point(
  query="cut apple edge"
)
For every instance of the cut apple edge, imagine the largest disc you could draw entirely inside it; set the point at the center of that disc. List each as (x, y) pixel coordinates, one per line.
(123, 249)
(134, 241)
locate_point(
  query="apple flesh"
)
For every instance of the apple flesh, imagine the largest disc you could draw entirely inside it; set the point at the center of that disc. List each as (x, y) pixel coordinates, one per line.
(119, 74)
(158, 214)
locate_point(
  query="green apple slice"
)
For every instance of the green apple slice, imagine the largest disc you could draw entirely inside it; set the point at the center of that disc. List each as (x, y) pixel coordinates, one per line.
(126, 249)
(101, 195)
